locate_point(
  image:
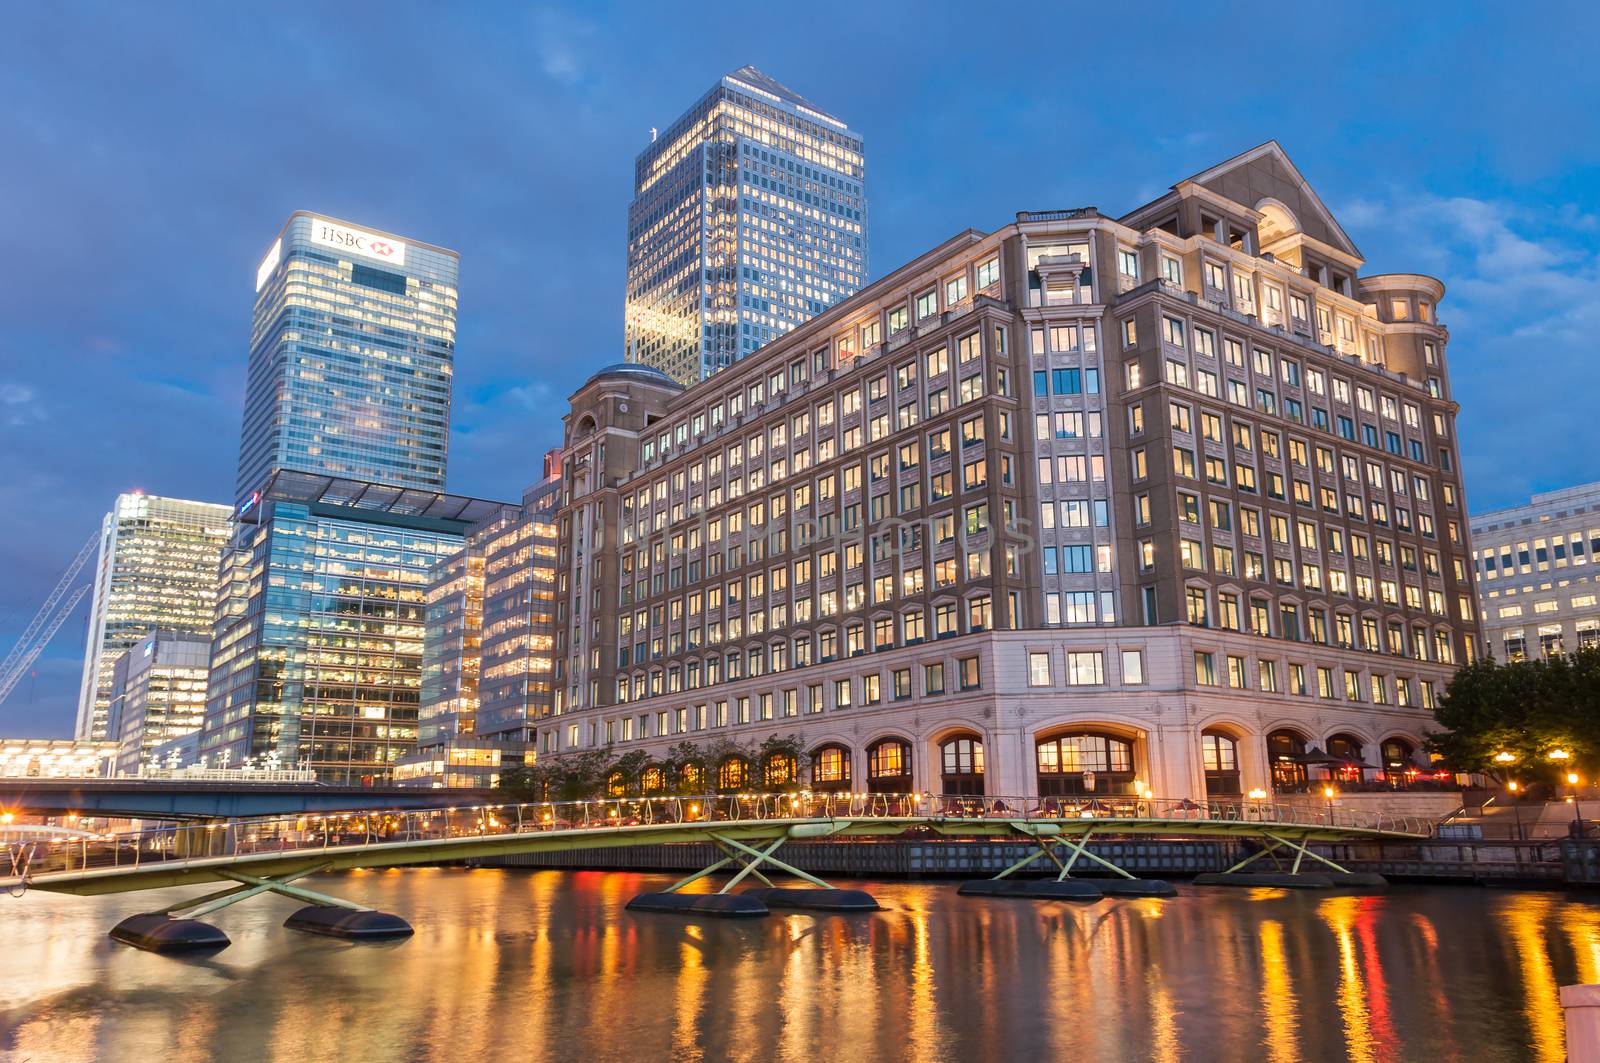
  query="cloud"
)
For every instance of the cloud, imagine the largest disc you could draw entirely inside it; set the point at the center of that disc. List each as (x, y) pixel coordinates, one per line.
(1522, 304)
(561, 43)
(19, 406)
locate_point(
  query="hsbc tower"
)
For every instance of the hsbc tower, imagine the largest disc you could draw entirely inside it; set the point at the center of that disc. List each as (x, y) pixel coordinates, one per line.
(351, 353)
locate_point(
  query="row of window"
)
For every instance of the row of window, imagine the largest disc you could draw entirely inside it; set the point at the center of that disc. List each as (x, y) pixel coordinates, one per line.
(934, 679)
(861, 340)
(909, 628)
(1347, 631)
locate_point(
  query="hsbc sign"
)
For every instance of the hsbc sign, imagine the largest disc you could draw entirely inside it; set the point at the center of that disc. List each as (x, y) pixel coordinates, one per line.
(369, 245)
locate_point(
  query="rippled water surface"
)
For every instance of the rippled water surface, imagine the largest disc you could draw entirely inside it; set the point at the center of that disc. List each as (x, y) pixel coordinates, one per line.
(549, 966)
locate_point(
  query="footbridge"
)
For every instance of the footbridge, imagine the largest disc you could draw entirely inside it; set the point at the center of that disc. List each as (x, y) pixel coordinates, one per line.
(251, 856)
(187, 798)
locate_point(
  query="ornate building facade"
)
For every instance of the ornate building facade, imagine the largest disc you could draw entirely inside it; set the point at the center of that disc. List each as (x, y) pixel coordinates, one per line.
(1087, 504)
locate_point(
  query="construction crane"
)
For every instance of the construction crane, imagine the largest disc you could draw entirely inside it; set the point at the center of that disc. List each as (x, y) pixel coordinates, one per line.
(63, 599)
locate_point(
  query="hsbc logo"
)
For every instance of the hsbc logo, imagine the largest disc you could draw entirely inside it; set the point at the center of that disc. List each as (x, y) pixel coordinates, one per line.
(357, 241)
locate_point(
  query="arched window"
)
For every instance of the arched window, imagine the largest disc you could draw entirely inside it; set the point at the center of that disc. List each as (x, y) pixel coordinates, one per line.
(1071, 765)
(889, 767)
(830, 768)
(653, 781)
(1399, 767)
(1398, 755)
(779, 771)
(961, 766)
(1284, 750)
(1348, 749)
(1220, 754)
(692, 778)
(1344, 746)
(734, 775)
(617, 784)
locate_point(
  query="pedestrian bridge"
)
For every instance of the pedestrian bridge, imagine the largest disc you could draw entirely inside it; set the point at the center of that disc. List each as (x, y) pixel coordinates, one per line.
(263, 854)
(186, 797)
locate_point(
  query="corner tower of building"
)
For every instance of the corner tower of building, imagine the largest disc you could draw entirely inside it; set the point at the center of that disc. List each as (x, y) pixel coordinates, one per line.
(351, 353)
(749, 218)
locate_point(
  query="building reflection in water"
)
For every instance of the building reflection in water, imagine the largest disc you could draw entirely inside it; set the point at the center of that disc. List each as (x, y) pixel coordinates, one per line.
(549, 965)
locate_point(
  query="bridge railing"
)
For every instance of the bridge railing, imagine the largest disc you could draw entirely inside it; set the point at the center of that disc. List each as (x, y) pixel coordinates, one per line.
(309, 833)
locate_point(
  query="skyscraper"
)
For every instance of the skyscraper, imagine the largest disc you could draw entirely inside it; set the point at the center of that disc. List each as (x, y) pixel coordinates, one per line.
(318, 643)
(487, 661)
(749, 217)
(157, 569)
(351, 353)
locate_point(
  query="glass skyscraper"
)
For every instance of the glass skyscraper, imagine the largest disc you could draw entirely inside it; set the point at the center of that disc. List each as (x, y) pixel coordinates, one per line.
(749, 217)
(157, 570)
(351, 353)
(317, 650)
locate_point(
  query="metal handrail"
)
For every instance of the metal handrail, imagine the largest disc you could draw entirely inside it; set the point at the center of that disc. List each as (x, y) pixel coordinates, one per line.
(289, 834)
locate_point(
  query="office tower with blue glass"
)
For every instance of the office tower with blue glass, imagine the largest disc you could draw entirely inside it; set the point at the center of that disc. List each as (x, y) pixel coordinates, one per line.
(351, 352)
(341, 512)
(749, 218)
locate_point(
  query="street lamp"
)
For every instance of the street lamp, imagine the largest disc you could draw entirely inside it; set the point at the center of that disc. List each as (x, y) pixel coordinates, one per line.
(1257, 795)
(1327, 794)
(1577, 810)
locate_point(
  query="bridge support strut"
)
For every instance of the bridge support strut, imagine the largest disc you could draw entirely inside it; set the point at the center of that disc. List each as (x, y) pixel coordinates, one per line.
(178, 927)
(750, 860)
(251, 886)
(1065, 887)
(1294, 878)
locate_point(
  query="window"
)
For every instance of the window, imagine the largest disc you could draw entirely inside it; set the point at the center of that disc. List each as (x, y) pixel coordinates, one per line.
(961, 761)
(1078, 764)
(889, 766)
(1086, 668)
(1038, 669)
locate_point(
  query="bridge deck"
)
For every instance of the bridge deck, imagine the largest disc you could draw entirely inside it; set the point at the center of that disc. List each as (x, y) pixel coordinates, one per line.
(281, 845)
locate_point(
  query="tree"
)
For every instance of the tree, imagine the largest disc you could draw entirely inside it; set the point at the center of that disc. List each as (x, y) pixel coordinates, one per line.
(529, 782)
(682, 764)
(787, 747)
(631, 767)
(1526, 709)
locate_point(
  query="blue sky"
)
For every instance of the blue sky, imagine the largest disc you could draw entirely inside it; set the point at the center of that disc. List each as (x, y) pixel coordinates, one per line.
(149, 152)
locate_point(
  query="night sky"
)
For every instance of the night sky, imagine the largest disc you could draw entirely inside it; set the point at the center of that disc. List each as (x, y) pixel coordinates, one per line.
(150, 152)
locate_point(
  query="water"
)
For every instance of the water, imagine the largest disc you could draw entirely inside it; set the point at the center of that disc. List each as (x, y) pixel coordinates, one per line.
(549, 966)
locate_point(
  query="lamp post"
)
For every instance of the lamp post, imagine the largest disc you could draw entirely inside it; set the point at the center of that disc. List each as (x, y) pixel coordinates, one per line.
(1577, 810)
(1327, 795)
(1505, 759)
(1559, 757)
(1257, 795)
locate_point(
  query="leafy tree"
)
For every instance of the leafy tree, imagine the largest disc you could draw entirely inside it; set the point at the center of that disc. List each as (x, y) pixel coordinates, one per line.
(581, 775)
(680, 757)
(788, 746)
(1525, 708)
(530, 782)
(631, 766)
